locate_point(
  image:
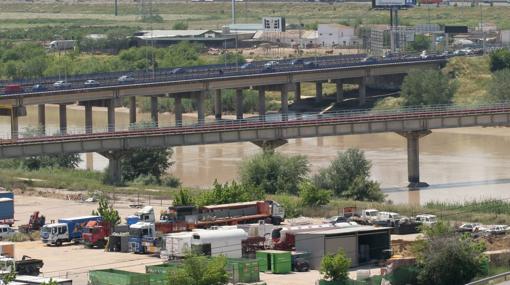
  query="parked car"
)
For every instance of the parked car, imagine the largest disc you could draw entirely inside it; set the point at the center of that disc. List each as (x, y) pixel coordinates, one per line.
(6, 232)
(248, 65)
(426, 219)
(126, 79)
(91, 83)
(178, 71)
(496, 230)
(336, 219)
(424, 55)
(468, 227)
(388, 218)
(39, 88)
(61, 84)
(13, 88)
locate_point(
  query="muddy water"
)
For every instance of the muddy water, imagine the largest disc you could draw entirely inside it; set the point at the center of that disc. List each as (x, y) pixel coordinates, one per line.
(459, 164)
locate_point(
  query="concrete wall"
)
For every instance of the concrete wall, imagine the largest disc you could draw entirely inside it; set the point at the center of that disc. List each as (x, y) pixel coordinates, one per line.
(331, 34)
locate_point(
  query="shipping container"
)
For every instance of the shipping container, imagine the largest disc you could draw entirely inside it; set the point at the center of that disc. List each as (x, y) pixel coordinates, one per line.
(7, 249)
(37, 280)
(6, 194)
(117, 277)
(6, 209)
(158, 279)
(243, 270)
(164, 268)
(275, 261)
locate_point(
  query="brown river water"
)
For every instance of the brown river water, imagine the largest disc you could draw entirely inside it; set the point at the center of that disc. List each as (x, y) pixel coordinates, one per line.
(459, 164)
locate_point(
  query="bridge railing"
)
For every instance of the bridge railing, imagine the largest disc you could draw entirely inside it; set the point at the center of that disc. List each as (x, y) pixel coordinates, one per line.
(276, 119)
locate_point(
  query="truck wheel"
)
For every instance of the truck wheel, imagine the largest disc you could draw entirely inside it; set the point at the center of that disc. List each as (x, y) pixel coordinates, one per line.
(276, 221)
(58, 243)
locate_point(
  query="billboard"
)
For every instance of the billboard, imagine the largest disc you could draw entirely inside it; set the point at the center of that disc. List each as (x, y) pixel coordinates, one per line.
(393, 3)
(456, 29)
(273, 24)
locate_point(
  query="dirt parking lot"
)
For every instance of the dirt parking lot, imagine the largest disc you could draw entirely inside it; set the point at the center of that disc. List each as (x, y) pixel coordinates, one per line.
(74, 261)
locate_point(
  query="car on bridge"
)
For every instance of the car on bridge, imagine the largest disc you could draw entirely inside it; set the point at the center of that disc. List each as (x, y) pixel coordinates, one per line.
(369, 59)
(62, 84)
(13, 88)
(297, 61)
(39, 88)
(270, 65)
(126, 79)
(91, 83)
(310, 64)
(248, 65)
(178, 71)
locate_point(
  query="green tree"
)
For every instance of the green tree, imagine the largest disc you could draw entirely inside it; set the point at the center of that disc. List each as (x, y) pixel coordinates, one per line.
(420, 43)
(139, 162)
(427, 87)
(231, 58)
(335, 267)
(499, 87)
(500, 59)
(275, 173)
(106, 210)
(200, 270)
(312, 196)
(230, 193)
(66, 160)
(180, 26)
(183, 198)
(363, 189)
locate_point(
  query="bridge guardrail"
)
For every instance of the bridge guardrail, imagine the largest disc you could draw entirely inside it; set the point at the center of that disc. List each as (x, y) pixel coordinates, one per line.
(271, 120)
(496, 279)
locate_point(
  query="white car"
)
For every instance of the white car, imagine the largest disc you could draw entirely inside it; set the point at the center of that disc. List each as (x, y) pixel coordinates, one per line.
(61, 84)
(91, 83)
(426, 219)
(126, 78)
(6, 232)
(424, 55)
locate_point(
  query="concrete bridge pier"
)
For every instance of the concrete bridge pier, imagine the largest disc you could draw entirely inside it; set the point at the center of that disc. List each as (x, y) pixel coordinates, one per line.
(413, 157)
(318, 91)
(200, 97)
(114, 166)
(132, 110)
(339, 91)
(270, 145)
(217, 105)
(285, 101)
(178, 110)
(362, 91)
(88, 117)
(14, 125)
(62, 113)
(41, 118)
(154, 111)
(111, 115)
(262, 101)
(239, 104)
(297, 92)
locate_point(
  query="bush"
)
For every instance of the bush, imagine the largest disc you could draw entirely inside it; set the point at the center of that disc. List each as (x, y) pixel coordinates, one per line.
(500, 59)
(335, 267)
(499, 88)
(183, 198)
(312, 196)
(275, 173)
(146, 179)
(293, 205)
(171, 181)
(229, 193)
(146, 162)
(427, 87)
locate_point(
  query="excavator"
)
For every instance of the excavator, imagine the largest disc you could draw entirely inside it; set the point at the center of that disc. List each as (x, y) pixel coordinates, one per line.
(35, 223)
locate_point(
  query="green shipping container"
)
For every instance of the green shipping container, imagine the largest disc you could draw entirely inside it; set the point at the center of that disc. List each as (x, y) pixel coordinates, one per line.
(276, 261)
(158, 279)
(162, 268)
(117, 277)
(243, 270)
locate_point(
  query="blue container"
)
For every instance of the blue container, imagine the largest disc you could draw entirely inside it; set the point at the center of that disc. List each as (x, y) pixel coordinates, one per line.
(6, 209)
(131, 220)
(5, 194)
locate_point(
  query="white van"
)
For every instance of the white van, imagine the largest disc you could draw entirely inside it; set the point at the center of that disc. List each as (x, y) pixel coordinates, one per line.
(6, 232)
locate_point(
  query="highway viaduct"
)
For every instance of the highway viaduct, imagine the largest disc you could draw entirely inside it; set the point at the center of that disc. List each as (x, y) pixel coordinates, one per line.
(197, 88)
(270, 131)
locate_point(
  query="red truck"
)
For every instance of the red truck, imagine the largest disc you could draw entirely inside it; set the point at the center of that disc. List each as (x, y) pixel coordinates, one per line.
(13, 88)
(95, 234)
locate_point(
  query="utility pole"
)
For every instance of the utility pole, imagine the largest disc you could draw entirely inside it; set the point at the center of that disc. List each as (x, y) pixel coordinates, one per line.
(482, 27)
(233, 11)
(116, 7)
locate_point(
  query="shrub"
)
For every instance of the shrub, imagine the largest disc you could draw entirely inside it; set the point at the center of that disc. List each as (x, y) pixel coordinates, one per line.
(171, 181)
(312, 196)
(335, 267)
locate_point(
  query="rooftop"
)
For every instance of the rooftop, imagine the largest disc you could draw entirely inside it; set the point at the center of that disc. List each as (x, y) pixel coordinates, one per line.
(347, 230)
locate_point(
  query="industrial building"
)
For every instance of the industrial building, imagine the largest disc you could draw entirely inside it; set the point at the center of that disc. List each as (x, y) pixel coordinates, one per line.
(362, 244)
(209, 38)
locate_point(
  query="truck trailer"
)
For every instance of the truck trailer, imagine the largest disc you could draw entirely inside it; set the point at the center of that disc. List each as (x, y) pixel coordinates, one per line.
(66, 230)
(6, 208)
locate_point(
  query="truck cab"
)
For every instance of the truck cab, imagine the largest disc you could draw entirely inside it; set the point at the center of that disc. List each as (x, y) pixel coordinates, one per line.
(55, 234)
(142, 235)
(146, 214)
(277, 213)
(95, 233)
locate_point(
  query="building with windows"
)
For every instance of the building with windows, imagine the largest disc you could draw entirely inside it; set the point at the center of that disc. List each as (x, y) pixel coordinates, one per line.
(336, 35)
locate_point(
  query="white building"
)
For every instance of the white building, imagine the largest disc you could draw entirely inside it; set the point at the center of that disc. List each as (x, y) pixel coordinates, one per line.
(336, 35)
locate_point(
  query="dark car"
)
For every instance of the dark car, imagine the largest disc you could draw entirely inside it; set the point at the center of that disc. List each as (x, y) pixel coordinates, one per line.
(248, 65)
(39, 88)
(270, 65)
(178, 71)
(369, 59)
(297, 61)
(310, 64)
(336, 219)
(13, 88)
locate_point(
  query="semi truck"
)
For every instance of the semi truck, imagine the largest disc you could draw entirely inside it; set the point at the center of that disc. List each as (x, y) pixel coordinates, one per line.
(142, 237)
(66, 230)
(25, 266)
(95, 234)
(185, 218)
(6, 208)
